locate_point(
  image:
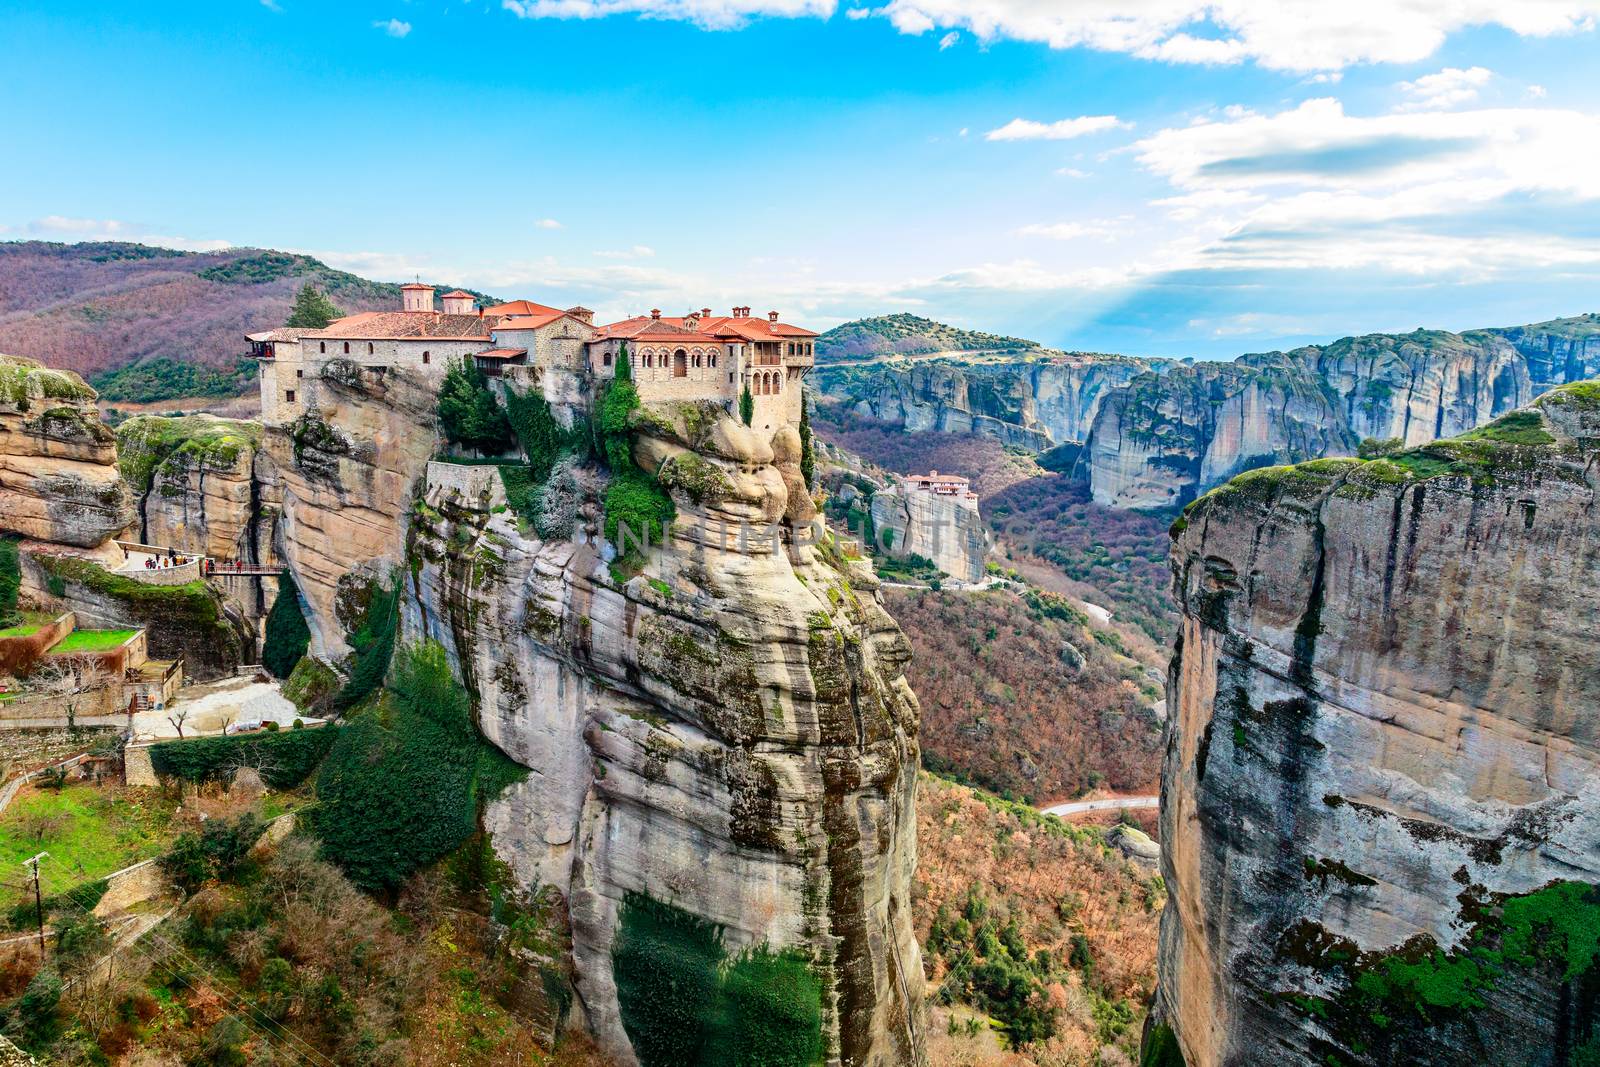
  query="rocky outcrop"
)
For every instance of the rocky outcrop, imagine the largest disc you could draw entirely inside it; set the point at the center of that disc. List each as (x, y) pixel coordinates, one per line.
(1380, 816)
(941, 528)
(729, 732)
(1035, 404)
(1157, 433)
(341, 479)
(58, 462)
(196, 485)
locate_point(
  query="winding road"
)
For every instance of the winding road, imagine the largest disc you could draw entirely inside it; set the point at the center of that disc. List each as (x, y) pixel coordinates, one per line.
(1113, 804)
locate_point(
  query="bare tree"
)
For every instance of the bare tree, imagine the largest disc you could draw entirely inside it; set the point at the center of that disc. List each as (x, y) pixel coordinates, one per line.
(71, 682)
(177, 715)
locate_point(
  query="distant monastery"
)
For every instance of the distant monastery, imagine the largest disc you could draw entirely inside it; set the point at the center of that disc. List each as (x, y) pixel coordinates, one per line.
(696, 356)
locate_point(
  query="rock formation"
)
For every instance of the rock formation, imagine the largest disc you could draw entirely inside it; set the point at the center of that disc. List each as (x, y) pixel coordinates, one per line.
(1157, 433)
(940, 528)
(197, 485)
(58, 462)
(1381, 795)
(729, 732)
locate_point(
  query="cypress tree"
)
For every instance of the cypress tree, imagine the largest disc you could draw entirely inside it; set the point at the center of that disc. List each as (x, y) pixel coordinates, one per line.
(747, 405)
(808, 459)
(287, 636)
(311, 309)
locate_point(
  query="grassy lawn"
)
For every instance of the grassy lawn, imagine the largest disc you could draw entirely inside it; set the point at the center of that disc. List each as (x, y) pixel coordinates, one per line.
(88, 830)
(92, 640)
(31, 622)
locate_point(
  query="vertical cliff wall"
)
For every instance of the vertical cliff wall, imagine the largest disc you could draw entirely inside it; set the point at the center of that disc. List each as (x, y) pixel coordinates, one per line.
(729, 733)
(1380, 817)
(58, 462)
(938, 527)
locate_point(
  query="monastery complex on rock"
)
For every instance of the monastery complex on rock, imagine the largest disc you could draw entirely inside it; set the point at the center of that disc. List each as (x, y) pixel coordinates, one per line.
(696, 356)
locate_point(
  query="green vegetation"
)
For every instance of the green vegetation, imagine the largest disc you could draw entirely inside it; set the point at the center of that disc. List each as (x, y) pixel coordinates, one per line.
(747, 405)
(148, 444)
(163, 378)
(634, 498)
(543, 440)
(287, 636)
(192, 608)
(808, 457)
(92, 641)
(216, 852)
(1515, 428)
(685, 1004)
(1582, 395)
(402, 784)
(469, 413)
(89, 831)
(1373, 448)
(373, 642)
(19, 378)
(10, 583)
(311, 684)
(264, 266)
(311, 310)
(283, 758)
(909, 335)
(1161, 1048)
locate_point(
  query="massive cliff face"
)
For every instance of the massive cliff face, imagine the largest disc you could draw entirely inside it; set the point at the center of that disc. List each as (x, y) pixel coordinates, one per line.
(1380, 813)
(1034, 404)
(729, 733)
(58, 462)
(940, 528)
(196, 485)
(1157, 433)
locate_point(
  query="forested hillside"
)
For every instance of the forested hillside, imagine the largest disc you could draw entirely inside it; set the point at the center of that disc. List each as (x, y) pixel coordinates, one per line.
(180, 317)
(909, 335)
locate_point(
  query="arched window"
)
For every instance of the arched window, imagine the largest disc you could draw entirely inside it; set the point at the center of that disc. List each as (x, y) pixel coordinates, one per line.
(649, 358)
(425, 357)
(713, 358)
(369, 348)
(608, 359)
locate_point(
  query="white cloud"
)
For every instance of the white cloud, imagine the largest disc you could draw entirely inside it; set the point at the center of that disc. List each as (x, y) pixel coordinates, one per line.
(1437, 193)
(856, 13)
(964, 131)
(548, 224)
(393, 27)
(1101, 229)
(1071, 172)
(1537, 92)
(949, 40)
(1300, 35)
(1449, 88)
(83, 229)
(636, 252)
(1028, 130)
(710, 14)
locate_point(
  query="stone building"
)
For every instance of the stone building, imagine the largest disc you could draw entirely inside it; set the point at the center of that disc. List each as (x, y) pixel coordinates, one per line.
(697, 356)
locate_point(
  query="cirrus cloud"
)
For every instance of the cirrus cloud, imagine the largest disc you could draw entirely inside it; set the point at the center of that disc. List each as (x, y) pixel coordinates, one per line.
(1020, 129)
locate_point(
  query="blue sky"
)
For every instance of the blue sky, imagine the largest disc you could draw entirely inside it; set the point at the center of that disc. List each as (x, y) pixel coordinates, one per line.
(1165, 177)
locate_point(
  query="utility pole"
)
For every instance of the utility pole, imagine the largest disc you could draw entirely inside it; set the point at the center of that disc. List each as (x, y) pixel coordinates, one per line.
(38, 900)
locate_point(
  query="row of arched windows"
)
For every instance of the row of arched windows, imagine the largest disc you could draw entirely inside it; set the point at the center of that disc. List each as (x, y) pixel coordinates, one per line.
(767, 383)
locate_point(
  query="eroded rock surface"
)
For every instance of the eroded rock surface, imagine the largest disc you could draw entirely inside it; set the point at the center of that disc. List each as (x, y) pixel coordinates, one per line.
(58, 461)
(1381, 796)
(196, 485)
(729, 732)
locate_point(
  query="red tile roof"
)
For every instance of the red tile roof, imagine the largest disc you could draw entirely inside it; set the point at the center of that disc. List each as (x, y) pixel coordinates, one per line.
(721, 328)
(502, 353)
(406, 325)
(458, 293)
(520, 307)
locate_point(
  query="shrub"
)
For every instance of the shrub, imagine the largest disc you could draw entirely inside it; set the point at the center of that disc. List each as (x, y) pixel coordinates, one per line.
(808, 459)
(287, 635)
(284, 759)
(373, 642)
(10, 580)
(684, 1004)
(216, 852)
(469, 414)
(401, 786)
(36, 1008)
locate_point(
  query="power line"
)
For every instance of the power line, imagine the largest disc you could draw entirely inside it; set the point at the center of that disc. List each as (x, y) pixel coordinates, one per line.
(231, 996)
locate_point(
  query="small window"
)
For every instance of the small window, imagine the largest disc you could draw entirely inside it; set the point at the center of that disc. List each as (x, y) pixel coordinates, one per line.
(288, 396)
(730, 377)
(713, 359)
(369, 348)
(299, 372)
(608, 359)
(425, 356)
(347, 348)
(322, 346)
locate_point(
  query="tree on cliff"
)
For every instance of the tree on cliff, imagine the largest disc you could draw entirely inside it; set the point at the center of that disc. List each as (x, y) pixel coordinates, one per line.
(312, 310)
(469, 414)
(747, 405)
(808, 458)
(287, 635)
